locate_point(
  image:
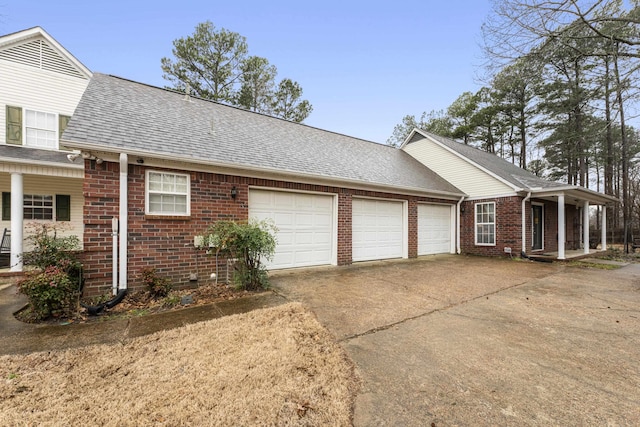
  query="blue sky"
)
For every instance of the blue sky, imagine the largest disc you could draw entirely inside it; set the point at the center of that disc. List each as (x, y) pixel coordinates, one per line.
(362, 64)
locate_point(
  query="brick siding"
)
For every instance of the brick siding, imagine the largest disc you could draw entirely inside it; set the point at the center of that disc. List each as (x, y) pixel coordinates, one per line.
(167, 243)
(509, 231)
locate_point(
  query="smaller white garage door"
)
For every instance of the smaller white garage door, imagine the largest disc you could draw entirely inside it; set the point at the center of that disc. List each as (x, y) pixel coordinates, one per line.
(434, 229)
(304, 222)
(378, 229)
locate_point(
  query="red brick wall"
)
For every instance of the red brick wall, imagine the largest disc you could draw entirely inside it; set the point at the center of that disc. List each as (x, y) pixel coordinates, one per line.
(344, 228)
(167, 243)
(508, 227)
(508, 212)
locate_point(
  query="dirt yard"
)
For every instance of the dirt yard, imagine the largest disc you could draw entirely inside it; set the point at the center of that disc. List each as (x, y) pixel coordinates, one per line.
(276, 366)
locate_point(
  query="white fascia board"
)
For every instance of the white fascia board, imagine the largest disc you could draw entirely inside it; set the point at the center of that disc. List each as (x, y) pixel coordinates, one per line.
(41, 163)
(20, 36)
(576, 192)
(258, 172)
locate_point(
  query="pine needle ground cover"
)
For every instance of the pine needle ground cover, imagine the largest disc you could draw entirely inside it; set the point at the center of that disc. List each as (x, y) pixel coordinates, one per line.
(276, 366)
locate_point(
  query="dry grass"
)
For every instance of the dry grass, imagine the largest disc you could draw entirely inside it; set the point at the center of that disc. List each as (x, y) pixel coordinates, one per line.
(276, 366)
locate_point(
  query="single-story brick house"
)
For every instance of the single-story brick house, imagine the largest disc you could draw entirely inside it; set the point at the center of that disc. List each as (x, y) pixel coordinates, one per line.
(169, 165)
(507, 206)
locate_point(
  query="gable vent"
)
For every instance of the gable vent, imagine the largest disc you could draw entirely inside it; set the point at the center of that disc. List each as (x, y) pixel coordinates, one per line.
(39, 54)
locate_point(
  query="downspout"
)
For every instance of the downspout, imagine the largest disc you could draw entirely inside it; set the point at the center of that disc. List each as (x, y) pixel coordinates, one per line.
(119, 287)
(123, 228)
(114, 238)
(459, 226)
(524, 225)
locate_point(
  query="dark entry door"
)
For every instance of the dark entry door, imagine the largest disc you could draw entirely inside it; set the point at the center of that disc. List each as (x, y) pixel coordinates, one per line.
(536, 214)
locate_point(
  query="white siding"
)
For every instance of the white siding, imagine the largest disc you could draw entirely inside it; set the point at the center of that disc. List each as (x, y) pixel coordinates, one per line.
(30, 87)
(42, 185)
(24, 84)
(467, 177)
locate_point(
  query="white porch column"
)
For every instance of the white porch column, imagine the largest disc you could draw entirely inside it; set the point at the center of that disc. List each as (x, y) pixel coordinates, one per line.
(585, 226)
(17, 216)
(561, 228)
(603, 227)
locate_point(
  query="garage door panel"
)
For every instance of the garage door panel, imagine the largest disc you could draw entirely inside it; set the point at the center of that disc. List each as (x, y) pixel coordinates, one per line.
(304, 222)
(378, 229)
(434, 229)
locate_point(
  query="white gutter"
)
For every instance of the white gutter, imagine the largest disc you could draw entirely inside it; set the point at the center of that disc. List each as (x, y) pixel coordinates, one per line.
(524, 225)
(242, 169)
(458, 231)
(124, 208)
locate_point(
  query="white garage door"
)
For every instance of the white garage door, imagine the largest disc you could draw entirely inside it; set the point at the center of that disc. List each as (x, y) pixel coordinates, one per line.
(378, 229)
(434, 229)
(305, 226)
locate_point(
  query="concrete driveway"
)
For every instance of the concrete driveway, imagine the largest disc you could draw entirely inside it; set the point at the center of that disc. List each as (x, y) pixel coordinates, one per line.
(455, 340)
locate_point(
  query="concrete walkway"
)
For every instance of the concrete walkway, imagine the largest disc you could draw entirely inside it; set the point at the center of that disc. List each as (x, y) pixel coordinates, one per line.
(454, 340)
(18, 337)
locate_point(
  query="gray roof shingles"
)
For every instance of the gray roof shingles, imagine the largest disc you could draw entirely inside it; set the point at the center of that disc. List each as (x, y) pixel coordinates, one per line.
(121, 115)
(15, 152)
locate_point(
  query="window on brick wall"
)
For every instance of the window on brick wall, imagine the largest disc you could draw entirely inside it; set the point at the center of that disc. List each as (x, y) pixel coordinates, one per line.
(485, 214)
(167, 193)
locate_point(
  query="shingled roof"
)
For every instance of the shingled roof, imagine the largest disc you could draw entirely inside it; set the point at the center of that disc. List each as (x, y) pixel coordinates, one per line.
(514, 175)
(119, 115)
(519, 179)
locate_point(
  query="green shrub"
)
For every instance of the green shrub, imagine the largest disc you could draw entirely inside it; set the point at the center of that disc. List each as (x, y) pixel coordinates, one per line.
(51, 293)
(53, 288)
(157, 286)
(250, 243)
(49, 249)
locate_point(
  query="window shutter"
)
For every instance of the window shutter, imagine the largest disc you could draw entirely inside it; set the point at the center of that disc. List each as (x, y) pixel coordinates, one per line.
(63, 121)
(14, 125)
(6, 206)
(63, 207)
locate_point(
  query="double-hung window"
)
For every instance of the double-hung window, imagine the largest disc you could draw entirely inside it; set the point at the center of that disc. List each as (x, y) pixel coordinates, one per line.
(485, 223)
(41, 129)
(34, 128)
(167, 193)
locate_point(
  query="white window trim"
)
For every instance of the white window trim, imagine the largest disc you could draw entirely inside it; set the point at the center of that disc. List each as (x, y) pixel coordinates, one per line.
(146, 194)
(475, 223)
(56, 130)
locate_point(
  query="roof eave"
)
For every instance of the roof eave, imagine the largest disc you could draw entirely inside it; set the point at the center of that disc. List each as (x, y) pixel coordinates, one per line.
(360, 184)
(578, 192)
(31, 162)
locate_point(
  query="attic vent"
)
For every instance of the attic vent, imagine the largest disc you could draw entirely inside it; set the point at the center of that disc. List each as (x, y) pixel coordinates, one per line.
(416, 137)
(39, 54)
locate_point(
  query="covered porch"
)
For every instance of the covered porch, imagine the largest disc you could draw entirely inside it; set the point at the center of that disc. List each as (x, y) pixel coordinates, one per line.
(37, 186)
(572, 206)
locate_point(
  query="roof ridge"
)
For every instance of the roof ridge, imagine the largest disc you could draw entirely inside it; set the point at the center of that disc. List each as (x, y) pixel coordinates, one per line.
(167, 89)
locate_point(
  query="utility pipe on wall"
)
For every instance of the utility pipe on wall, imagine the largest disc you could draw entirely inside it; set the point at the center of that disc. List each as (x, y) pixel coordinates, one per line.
(124, 165)
(524, 222)
(459, 225)
(114, 234)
